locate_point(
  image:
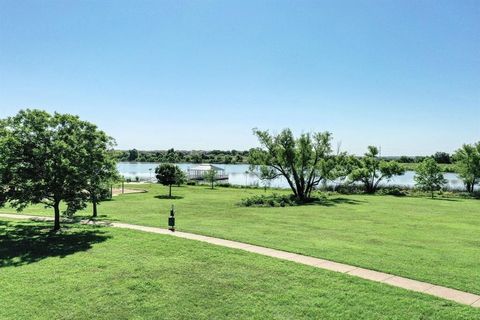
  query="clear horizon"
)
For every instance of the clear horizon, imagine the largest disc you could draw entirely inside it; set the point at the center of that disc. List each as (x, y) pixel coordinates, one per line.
(191, 75)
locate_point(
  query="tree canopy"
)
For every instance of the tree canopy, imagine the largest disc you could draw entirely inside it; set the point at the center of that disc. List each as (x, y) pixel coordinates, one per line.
(467, 162)
(99, 166)
(429, 176)
(371, 170)
(210, 176)
(304, 161)
(50, 158)
(169, 174)
(265, 174)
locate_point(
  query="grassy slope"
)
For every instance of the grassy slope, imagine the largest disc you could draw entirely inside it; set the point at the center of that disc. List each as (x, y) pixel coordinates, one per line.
(105, 273)
(431, 240)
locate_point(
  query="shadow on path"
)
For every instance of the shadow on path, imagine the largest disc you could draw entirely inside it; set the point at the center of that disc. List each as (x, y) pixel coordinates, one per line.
(28, 242)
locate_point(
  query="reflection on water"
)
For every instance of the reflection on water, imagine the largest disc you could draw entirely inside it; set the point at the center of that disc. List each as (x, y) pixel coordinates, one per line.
(238, 175)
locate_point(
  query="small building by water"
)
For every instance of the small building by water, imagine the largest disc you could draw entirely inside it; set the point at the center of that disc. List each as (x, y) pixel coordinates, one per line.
(198, 172)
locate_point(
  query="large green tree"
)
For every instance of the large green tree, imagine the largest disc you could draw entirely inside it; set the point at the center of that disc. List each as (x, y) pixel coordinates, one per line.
(429, 176)
(43, 160)
(467, 162)
(371, 170)
(304, 161)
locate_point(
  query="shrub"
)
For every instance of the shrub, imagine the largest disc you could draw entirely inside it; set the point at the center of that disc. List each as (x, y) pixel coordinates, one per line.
(393, 191)
(273, 200)
(225, 185)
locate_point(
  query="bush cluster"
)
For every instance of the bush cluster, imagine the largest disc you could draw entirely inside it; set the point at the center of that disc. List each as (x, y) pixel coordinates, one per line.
(393, 191)
(272, 200)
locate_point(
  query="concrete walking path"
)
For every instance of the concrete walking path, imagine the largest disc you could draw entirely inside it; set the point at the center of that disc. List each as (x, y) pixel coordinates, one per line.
(390, 279)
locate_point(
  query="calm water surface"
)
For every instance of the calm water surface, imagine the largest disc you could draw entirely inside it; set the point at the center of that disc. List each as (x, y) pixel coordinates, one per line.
(237, 174)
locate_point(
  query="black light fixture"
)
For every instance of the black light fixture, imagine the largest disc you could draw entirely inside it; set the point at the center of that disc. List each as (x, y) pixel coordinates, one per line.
(171, 219)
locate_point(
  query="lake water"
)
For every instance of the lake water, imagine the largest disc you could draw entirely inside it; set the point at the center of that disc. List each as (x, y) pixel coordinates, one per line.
(238, 175)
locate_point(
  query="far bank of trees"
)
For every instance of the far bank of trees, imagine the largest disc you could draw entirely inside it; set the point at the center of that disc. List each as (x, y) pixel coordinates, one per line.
(176, 156)
(308, 161)
(242, 157)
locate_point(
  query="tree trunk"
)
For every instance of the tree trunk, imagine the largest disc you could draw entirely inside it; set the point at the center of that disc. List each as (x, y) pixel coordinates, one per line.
(369, 187)
(56, 207)
(170, 191)
(94, 203)
(212, 184)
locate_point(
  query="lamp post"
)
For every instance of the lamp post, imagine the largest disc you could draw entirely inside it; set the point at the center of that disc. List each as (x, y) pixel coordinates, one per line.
(171, 219)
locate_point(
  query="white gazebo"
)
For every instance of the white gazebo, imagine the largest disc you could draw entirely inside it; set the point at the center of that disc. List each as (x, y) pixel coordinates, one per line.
(198, 172)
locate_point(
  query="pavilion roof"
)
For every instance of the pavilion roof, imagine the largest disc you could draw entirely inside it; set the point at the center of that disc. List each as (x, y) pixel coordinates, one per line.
(206, 167)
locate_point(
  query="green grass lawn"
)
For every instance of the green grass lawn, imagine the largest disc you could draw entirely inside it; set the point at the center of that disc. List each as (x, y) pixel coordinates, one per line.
(91, 272)
(435, 240)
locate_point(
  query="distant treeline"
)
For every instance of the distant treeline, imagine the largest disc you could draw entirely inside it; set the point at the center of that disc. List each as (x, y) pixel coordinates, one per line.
(444, 159)
(179, 156)
(235, 156)
(440, 158)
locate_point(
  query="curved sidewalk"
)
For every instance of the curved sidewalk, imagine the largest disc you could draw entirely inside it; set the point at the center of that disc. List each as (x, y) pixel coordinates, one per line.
(390, 279)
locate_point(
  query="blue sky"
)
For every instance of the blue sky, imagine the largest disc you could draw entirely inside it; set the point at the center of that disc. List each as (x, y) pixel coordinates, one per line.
(403, 75)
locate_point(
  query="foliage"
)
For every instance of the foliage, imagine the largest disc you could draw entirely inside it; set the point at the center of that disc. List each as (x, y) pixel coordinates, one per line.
(405, 159)
(273, 200)
(132, 155)
(180, 177)
(98, 166)
(265, 174)
(414, 166)
(304, 162)
(169, 174)
(371, 170)
(429, 176)
(442, 157)
(210, 176)
(176, 156)
(393, 191)
(276, 200)
(47, 159)
(467, 161)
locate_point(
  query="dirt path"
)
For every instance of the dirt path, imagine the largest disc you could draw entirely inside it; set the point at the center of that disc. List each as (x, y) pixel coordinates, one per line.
(118, 191)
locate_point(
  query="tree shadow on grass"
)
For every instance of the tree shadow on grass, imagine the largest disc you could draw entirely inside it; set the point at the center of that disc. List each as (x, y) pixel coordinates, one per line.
(330, 202)
(29, 242)
(443, 199)
(165, 197)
